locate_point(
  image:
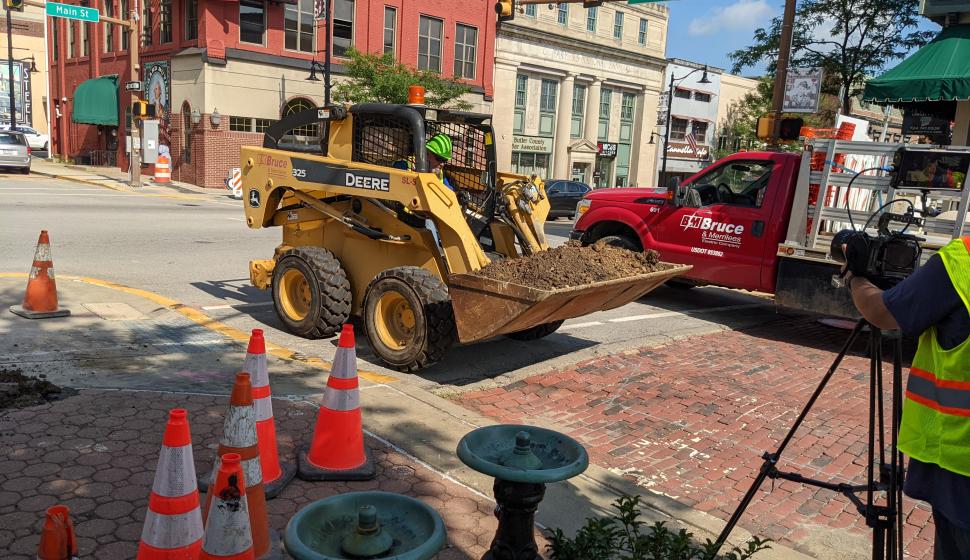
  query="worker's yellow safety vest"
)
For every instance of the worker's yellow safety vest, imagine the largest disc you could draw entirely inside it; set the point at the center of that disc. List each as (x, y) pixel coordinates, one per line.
(936, 412)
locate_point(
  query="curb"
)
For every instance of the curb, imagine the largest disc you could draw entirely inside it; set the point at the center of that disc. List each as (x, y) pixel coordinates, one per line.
(79, 180)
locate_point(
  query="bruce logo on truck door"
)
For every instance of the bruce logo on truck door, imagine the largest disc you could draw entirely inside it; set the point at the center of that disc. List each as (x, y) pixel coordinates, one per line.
(714, 232)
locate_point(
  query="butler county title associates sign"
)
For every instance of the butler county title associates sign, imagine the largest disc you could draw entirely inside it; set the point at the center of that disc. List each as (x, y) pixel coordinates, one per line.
(537, 144)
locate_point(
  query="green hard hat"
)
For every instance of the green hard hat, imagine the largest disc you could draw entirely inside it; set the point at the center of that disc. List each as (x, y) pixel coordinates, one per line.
(440, 145)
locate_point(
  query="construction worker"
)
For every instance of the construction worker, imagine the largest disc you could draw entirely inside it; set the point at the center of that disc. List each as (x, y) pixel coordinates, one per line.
(438, 152)
(934, 302)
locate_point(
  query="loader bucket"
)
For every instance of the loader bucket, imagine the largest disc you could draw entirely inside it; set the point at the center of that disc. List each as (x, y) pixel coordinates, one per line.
(485, 307)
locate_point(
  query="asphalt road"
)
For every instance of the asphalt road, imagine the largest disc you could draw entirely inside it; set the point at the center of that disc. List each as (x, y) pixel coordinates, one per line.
(196, 250)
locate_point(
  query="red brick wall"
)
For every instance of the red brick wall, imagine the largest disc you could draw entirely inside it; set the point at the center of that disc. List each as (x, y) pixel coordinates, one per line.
(214, 151)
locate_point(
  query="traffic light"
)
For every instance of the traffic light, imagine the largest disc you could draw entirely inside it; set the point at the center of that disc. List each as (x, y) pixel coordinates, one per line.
(14, 5)
(790, 129)
(766, 126)
(592, 3)
(142, 109)
(505, 10)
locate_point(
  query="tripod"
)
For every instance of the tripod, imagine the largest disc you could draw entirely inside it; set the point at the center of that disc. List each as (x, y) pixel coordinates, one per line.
(884, 519)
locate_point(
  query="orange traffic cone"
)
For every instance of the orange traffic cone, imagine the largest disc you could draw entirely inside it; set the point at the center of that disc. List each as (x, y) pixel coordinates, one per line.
(57, 539)
(337, 451)
(40, 300)
(173, 524)
(227, 530)
(276, 475)
(239, 437)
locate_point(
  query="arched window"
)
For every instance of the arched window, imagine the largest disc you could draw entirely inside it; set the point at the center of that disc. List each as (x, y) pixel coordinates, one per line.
(304, 134)
(186, 132)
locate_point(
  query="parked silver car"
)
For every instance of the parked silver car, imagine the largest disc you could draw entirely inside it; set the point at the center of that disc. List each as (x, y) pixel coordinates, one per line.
(14, 151)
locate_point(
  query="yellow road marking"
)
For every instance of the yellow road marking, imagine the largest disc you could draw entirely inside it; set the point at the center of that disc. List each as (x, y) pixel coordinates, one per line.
(204, 320)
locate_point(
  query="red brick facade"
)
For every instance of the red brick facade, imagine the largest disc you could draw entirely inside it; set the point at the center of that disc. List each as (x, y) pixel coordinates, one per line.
(214, 150)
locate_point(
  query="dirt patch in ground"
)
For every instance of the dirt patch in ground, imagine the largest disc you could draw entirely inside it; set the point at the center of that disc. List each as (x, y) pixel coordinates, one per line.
(19, 391)
(573, 265)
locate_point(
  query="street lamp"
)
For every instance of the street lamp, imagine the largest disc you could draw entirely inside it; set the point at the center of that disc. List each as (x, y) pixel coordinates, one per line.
(670, 104)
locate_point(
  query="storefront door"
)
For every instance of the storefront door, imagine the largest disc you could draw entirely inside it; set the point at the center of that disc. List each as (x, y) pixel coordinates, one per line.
(580, 172)
(604, 173)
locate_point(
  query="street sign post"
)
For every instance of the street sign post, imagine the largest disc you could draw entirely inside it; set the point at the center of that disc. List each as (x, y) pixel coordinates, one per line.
(132, 86)
(69, 11)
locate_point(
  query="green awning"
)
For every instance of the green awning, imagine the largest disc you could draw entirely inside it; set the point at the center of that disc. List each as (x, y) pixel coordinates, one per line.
(940, 71)
(96, 101)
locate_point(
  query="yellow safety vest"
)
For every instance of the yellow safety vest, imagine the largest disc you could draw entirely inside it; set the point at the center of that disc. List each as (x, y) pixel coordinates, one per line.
(936, 411)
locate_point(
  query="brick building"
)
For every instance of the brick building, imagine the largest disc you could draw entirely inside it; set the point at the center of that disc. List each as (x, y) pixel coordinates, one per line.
(220, 72)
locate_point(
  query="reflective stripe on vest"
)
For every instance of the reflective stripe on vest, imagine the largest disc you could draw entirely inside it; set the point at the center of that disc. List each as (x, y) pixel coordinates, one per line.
(936, 412)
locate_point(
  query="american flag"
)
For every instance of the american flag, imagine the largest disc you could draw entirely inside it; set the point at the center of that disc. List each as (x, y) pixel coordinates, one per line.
(693, 142)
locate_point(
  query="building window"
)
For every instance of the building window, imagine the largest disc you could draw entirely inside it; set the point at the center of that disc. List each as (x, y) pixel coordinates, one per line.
(618, 25)
(700, 132)
(343, 26)
(191, 30)
(678, 128)
(642, 34)
(240, 124)
(591, 20)
(521, 97)
(55, 42)
(109, 30)
(562, 14)
(252, 21)
(466, 45)
(701, 96)
(579, 109)
(71, 40)
(682, 93)
(304, 134)
(146, 23)
(429, 44)
(165, 22)
(606, 96)
(390, 29)
(530, 163)
(125, 33)
(260, 125)
(530, 10)
(547, 106)
(627, 106)
(298, 26)
(85, 38)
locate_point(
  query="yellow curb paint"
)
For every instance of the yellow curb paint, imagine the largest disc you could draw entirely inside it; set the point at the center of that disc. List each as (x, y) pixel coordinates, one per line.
(204, 320)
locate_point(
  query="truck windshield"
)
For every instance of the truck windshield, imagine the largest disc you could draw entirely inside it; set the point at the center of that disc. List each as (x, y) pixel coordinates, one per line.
(741, 183)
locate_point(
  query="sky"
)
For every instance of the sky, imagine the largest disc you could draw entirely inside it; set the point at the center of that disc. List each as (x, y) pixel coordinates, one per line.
(705, 31)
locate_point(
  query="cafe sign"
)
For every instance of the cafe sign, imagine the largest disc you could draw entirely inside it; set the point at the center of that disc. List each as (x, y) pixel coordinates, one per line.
(536, 144)
(685, 151)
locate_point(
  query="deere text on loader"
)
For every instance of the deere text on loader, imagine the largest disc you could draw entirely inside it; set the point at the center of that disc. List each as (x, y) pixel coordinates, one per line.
(369, 230)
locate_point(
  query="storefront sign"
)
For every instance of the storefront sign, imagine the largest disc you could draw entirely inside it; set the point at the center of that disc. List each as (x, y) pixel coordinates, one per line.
(929, 119)
(685, 151)
(537, 144)
(606, 149)
(22, 93)
(803, 88)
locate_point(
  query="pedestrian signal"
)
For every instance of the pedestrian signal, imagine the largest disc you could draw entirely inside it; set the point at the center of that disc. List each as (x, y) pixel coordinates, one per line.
(790, 129)
(14, 5)
(505, 9)
(142, 109)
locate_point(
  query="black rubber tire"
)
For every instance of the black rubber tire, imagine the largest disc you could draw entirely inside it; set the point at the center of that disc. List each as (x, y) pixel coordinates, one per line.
(621, 241)
(434, 317)
(330, 296)
(536, 332)
(25, 171)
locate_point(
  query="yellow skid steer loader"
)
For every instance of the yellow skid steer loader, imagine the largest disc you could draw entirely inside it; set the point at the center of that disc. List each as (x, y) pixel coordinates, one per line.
(370, 229)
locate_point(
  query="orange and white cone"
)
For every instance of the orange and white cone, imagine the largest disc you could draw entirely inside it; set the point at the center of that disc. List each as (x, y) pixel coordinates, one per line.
(40, 299)
(57, 538)
(173, 524)
(227, 530)
(276, 474)
(239, 437)
(337, 451)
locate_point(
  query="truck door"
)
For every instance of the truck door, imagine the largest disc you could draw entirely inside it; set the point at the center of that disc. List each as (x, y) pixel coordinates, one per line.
(721, 228)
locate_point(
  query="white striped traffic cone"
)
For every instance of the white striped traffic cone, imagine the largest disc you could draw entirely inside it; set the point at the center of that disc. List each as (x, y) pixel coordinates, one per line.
(227, 531)
(40, 299)
(276, 474)
(173, 524)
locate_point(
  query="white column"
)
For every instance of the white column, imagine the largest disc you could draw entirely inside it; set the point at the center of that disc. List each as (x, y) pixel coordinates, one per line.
(591, 125)
(503, 112)
(560, 148)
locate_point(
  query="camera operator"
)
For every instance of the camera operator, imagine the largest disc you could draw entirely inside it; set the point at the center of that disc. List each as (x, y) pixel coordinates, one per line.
(934, 303)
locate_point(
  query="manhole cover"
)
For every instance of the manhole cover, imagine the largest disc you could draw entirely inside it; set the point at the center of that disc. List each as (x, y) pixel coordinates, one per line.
(113, 311)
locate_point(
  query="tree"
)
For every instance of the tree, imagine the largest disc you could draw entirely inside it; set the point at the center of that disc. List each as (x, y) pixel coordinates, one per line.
(382, 79)
(740, 124)
(850, 39)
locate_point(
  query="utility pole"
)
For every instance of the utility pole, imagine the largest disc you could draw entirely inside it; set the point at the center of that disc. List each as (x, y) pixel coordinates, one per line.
(13, 98)
(781, 68)
(134, 42)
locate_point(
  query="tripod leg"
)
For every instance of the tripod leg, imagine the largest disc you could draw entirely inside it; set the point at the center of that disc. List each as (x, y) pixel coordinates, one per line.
(897, 476)
(771, 459)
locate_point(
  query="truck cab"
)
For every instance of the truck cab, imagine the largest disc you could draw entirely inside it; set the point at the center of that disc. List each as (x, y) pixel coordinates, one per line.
(726, 220)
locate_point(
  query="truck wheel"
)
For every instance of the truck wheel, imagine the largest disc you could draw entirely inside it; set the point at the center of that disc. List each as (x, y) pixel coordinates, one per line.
(621, 241)
(311, 292)
(408, 317)
(536, 332)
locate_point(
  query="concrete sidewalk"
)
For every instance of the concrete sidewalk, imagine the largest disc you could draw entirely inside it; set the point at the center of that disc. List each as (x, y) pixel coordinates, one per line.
(123, 345)
(116, 179)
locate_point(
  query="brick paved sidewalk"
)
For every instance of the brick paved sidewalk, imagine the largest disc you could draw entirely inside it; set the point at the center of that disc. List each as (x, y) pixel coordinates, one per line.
(691, 419)
(96, 452)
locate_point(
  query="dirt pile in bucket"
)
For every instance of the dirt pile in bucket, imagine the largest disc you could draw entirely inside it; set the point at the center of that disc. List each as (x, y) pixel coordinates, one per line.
(18, 390)
(573, 265)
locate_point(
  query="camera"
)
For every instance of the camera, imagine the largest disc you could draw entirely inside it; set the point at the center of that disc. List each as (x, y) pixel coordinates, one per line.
(886, 258)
